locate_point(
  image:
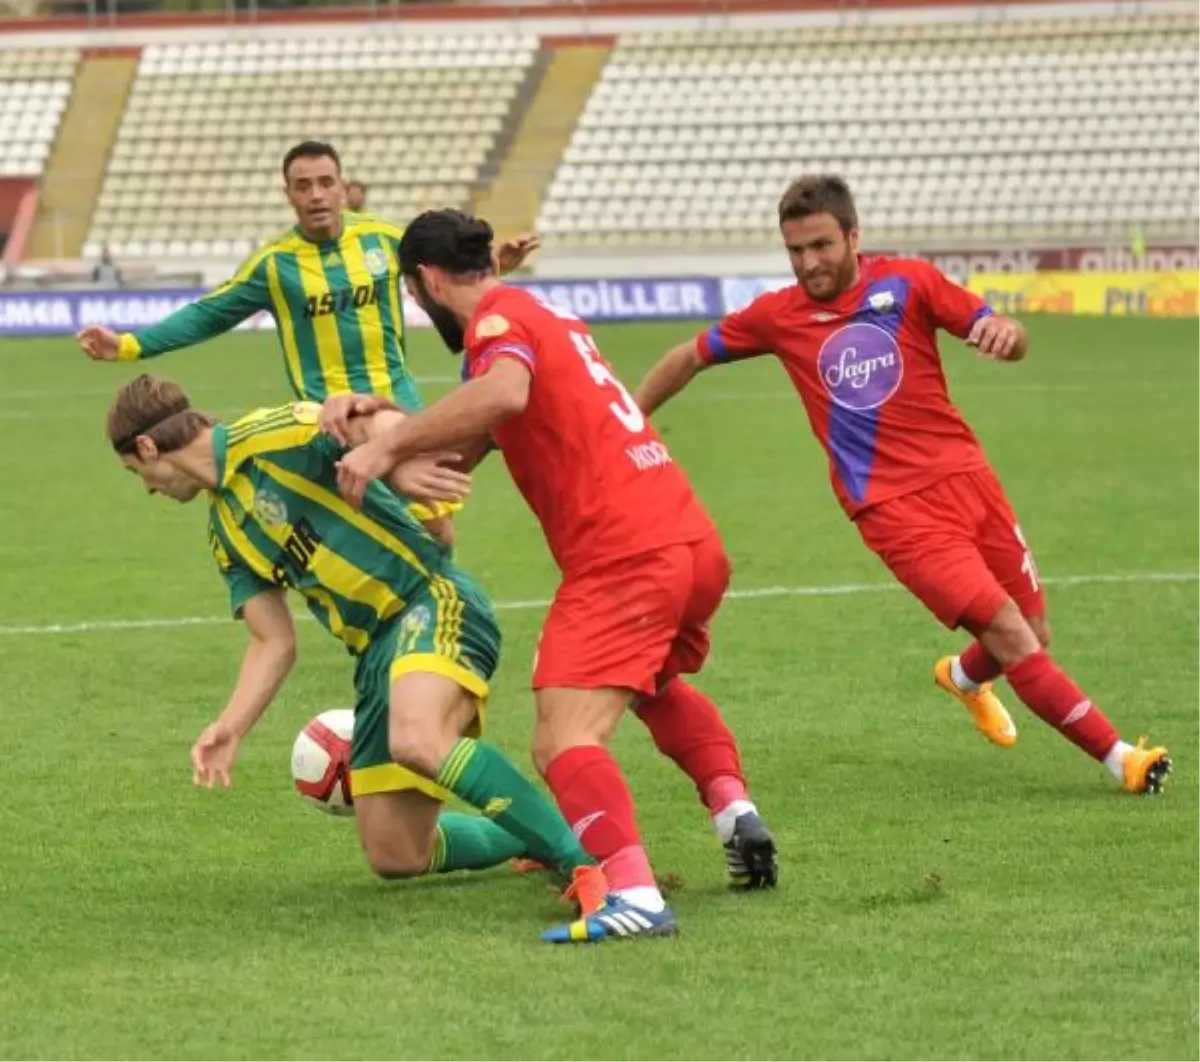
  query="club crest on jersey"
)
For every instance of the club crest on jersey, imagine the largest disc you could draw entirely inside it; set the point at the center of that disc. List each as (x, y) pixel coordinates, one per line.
(269, 509)
(860, 366)
(882, 301)
(491, 326)
(377, 262)
(414, 624)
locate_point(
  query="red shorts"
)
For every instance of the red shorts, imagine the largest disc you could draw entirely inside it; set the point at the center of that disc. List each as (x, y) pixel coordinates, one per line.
(636, 623)
(957, 546)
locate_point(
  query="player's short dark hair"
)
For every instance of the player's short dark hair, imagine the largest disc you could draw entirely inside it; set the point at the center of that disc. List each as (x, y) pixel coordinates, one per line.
(149, 405)
(311, 149)
(819, 193)
(452, 240)
(357, 184)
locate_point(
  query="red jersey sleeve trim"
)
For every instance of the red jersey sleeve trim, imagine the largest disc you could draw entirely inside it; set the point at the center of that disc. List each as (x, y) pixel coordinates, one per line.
(515, 351)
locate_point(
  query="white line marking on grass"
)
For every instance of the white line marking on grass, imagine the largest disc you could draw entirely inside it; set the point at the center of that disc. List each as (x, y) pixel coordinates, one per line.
(754, 594)
(18, 393)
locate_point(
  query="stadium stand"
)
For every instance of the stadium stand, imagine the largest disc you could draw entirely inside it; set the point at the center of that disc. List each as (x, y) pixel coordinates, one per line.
(989, 129)
(194, 170)
(34, 88)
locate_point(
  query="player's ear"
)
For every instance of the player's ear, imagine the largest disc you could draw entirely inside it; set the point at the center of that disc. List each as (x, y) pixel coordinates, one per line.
(852, 240)
(147, 449)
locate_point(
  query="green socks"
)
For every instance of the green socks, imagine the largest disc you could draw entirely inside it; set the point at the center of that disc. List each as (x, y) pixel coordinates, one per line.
(471, 842)
(484, 778)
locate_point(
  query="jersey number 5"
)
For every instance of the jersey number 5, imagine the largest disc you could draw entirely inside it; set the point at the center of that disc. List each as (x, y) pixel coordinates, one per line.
(626, 410)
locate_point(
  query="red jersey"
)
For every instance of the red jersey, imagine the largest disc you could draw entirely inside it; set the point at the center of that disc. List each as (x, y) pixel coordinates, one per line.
(867, 369)
(593, 470)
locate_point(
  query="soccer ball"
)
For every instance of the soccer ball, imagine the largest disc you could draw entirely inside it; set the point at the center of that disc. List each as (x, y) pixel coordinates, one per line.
(321, 761)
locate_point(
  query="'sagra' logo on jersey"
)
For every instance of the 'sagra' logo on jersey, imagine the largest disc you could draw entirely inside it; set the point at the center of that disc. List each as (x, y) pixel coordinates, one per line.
(270, 509)
(860, 366)
(377, 262)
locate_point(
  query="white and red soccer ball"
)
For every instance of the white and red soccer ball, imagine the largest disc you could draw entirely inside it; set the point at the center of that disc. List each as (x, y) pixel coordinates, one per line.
(321, 761)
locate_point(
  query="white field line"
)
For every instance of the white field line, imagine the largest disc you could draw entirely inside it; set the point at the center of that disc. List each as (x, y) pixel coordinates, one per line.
(19, 393)
(756, 594)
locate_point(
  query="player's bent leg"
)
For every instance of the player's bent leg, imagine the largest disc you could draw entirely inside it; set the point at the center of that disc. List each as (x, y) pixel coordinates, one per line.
(398, 831)
(1051, 695)
(927, 542)
(430, 713)
(573, 726)
(687, 727)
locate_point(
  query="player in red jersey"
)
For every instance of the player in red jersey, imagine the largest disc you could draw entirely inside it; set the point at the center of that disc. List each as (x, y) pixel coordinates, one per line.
(644, 569)
(857, 336)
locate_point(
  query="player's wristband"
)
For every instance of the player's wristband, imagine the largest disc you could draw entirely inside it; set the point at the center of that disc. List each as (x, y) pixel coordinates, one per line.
(128, 349)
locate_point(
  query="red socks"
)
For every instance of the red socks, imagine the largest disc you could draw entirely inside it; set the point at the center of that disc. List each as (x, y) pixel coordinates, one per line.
(1050, 694)
(593, 797)
(688, 728)
(979, 665)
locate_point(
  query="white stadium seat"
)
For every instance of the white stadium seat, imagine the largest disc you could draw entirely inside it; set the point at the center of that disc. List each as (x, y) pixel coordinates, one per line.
(414, 115)
(921, 117)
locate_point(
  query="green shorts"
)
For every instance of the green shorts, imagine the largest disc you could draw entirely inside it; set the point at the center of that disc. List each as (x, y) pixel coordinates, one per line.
(449, 629)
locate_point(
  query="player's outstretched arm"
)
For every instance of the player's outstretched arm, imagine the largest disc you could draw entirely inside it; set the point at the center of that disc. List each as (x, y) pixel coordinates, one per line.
(266, 663)
(464, 415)
(999, 338)
(431, 477)
(670, 375)
(214, 314)
(512, 253)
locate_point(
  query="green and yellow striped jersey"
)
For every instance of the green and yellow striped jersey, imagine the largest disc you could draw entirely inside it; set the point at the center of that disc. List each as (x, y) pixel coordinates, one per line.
(336, 305)
(276, 520)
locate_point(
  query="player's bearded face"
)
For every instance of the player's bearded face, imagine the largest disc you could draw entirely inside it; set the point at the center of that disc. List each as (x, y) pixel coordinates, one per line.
(443, 320)
(824, 259)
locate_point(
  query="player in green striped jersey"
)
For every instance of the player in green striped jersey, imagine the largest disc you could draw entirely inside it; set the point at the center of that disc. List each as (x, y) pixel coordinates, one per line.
(423, 635)
(331, 284)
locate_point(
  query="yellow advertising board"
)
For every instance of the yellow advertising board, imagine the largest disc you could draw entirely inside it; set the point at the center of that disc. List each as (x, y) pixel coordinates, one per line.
(1148, 294)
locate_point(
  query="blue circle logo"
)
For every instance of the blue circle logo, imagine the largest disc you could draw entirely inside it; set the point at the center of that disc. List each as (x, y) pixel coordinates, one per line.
(860, 366)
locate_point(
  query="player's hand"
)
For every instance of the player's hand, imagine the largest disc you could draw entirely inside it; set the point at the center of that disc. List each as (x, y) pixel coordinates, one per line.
(430, 478)
(511, 253)
(213, 755)
(997, 337)
(358, 468)
(337, 411)
(99, 343)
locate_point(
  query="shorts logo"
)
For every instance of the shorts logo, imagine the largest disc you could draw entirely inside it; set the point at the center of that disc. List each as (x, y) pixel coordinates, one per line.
(860, 366)
(269, 509)
(377, 262)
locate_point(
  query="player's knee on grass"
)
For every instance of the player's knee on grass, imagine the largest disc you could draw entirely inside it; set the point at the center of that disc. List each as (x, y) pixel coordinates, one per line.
(398, 832)
(1009, 637)
(570, 718)
(427, 715)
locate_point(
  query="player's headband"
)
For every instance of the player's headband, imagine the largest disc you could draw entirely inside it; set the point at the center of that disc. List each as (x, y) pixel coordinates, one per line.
(127, 443)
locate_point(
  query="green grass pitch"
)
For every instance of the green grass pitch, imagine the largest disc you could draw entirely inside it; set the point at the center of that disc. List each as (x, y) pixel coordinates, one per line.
(940, 897)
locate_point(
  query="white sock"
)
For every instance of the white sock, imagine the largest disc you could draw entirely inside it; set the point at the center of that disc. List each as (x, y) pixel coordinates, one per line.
(961, 679)
(723, 820)
(647, 897)
(1115, 760)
